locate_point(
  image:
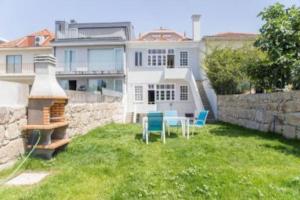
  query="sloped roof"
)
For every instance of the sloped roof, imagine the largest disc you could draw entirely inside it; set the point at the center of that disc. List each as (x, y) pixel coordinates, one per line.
(29, 40)
(163, 34)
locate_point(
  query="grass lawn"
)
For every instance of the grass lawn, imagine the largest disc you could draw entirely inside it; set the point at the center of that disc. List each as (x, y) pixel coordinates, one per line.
(220, 162)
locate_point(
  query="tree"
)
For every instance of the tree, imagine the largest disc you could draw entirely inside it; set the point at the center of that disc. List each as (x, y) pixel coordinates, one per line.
(280, 39)
(226, 69)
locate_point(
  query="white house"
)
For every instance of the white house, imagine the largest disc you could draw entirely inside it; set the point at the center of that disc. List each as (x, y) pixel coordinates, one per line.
(16, 56)
(164, 72)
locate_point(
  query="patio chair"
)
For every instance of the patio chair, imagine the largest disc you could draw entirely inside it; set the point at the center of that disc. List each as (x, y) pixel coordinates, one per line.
(172, 122)
(155, 123)
(200, 121)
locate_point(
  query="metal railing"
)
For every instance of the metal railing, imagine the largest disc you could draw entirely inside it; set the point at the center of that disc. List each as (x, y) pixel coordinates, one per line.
(24, 68)
(81, 34)
(87, 68)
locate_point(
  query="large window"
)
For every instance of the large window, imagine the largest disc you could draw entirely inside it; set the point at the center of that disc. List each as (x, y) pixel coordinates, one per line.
(138, 93)
(111, 84)
(183, 58)
(165, 92)
(14, 64)
(70, 60)
(105, 59)
(138, 59)
(184, 93)
(157, 57)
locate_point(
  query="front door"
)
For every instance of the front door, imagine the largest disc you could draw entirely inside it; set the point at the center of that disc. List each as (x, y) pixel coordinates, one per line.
(72, 85)
(151, 97)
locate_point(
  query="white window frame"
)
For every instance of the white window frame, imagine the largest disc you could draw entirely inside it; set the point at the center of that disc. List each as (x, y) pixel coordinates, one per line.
(138, 97)
(165, 89)
(184, 58)
(159, 56)
(184, 95)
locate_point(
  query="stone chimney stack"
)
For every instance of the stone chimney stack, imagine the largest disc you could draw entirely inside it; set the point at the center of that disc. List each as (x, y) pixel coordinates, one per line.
(196, 27)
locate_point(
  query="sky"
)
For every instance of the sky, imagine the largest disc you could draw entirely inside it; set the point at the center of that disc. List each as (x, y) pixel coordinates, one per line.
(22, 17)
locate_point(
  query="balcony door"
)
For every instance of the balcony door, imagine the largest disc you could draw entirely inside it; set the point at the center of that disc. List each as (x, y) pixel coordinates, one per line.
(106, 60)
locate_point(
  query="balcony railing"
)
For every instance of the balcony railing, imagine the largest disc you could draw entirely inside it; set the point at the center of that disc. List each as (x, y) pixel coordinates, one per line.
(88, 69)
(75, 34)
(24, 68)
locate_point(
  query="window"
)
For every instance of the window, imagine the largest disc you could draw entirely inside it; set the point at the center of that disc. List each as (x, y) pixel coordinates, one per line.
(183, 58)
(105, 59)
(138, 93)
(70, 60)
(157, 57)
(184, 93)
(118, 85)
(138, 58)
(165, 92)
(111, 84)
(14, 64)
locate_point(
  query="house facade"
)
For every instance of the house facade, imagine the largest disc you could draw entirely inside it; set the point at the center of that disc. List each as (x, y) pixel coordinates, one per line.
(17, 56)
(91, 56)
(164, 72)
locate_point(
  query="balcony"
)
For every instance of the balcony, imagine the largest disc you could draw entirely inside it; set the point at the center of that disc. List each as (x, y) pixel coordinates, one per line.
(23, 73)
(88, 70)
(88, 34)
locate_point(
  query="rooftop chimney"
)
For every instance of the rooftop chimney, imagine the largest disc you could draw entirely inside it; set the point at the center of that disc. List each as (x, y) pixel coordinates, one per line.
(196, 27)
(45, 84)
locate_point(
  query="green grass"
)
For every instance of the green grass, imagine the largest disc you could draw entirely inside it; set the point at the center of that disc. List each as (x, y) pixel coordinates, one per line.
(220, 162)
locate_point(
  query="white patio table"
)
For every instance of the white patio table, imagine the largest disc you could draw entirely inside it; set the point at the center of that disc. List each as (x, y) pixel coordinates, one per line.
(185, 124)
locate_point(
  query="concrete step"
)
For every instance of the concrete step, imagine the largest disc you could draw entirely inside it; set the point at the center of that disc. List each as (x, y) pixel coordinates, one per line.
(205, 102)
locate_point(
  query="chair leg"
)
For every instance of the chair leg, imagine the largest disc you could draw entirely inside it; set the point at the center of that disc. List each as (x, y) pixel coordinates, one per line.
(163, 136)
(147, 137)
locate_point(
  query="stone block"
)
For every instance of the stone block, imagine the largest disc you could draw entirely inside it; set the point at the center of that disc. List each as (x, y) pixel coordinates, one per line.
(292, 119)
(4, 115)
(289, 131)
(12, 150)
(12, 131)
(291, 106)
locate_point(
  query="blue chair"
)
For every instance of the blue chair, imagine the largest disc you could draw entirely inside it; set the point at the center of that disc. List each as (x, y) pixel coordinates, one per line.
(155, 123)
(200, 121)
(172, 122)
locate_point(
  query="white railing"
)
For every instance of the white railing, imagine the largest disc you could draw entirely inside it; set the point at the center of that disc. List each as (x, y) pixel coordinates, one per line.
(81, 34)
(25, 68)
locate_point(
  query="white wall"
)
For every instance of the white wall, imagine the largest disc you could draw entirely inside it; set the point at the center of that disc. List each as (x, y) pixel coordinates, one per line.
(193, 49)
(28, 55)
(13, 94)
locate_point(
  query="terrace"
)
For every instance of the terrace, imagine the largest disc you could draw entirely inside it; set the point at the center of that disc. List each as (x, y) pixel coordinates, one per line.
(220, 162)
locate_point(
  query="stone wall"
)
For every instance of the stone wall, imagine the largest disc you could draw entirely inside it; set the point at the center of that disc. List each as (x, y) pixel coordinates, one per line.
(11, 143)
(82, 118)
(276, 112)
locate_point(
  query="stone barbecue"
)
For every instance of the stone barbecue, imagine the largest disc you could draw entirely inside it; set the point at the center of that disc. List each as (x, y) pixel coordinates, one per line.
(46, 110)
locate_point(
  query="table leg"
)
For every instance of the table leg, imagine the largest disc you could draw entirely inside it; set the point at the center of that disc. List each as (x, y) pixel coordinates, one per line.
(188, 129)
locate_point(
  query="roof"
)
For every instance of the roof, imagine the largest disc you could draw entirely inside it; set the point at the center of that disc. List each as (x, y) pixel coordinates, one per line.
(3, 40)
(232, 36)
(163, 34)
(29, 40)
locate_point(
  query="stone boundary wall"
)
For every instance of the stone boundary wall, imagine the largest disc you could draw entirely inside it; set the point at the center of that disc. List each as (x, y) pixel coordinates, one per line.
(11, 143)
(275, 112)
(82, 118)
(86, 116)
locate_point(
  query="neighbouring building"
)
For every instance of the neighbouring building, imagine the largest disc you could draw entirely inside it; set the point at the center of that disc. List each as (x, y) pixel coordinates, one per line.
(17, 56)
(229, 39)
(164, 73)
(91, 56)
(2, 40)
